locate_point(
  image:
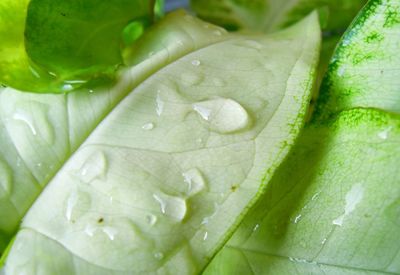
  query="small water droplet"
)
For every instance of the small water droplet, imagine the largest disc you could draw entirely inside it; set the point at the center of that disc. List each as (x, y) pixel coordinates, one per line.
(196, 62)
(341, 71)
(111, 232)
(34, 72)
(90, 229)
(353, 197)
(148, 126)
(194, 180)
(385, 133)
(20, 115)
(323, 241)
(67, 87)
(223, 115)
(151, 219)
(6, 179)
(91, 91)
(256, 227)
(159, 255)
(95, 167)
(315, 196)
(205, 237)
(77, 204)
(297, 219)
(159, 104)
(174, 207)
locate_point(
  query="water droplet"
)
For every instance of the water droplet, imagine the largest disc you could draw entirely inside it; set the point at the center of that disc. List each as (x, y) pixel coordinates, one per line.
(385, 133)
(148, 126)
(27, 119)
(205, 237)
(159, 255)
(323, 241)
(297, 219)
(341, 71)
(91, 91)
(34, 72)
(67, 87)
(151, 219)
(207, 219)
(315, 196)
(353, 197)
(77, 204)
(196, 62)
(256, 227)
(160, 104)
(111, 232)
(90, 229)
(6, 179)
(194, 180)
(173, 207)
(95, 167)
(223, 115)
(191, 79)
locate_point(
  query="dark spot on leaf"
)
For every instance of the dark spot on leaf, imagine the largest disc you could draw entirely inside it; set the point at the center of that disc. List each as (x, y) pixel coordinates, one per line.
(63, 14)
(233, 188)
(100, 220)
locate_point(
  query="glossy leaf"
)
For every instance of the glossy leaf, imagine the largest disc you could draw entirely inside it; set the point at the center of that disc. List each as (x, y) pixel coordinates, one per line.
(153, 175)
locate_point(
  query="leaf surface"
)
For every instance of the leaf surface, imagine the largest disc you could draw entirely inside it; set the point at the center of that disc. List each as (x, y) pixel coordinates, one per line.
(158, 180)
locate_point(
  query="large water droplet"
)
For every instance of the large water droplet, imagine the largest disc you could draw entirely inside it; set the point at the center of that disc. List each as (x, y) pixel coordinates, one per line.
(223, 115)
(5, 179)
(194, 180)
(78, 203)
(159, 103)
(95, 167)
(353, 197)
(174, 207)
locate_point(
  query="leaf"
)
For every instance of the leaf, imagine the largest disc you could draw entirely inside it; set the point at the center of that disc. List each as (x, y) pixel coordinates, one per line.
(66, 43)
(333, 206)
(365, 70)
(269, 16)
(154, 174)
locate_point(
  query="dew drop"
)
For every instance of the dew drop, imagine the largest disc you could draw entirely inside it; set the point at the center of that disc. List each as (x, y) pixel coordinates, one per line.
(194, 180)
(77, 204)
(95, 167)
(297, 219)
(67, 87)
(323, 241)
(159, 104)
(159, 255)
(385, 133)
(205, 237)
(353, 197)
(90, 229)
(173, 207)
(223, 115)
(6, 179)
(151, 219)
(148, 126)
(25, 118)
(111, 232)
(256, 227)
(196, 62)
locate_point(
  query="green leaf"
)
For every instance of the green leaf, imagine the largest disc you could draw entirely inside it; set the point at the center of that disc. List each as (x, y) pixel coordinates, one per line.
(267, 15)
(56, 46)
(365, 70)
(154, 174)
(333, 206)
